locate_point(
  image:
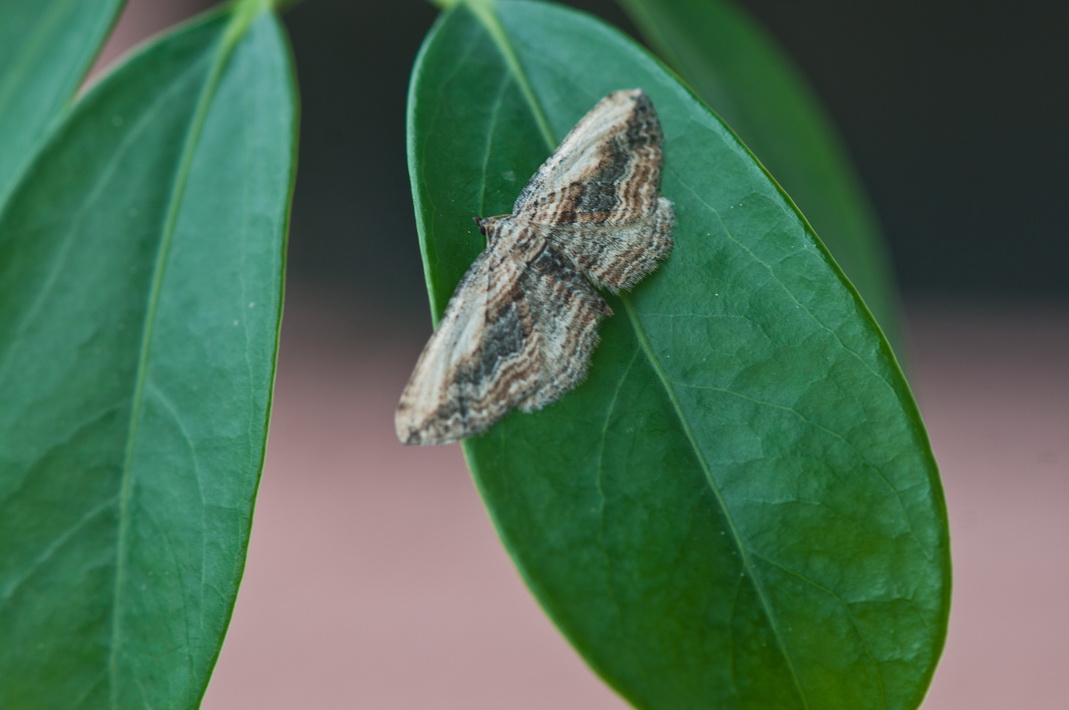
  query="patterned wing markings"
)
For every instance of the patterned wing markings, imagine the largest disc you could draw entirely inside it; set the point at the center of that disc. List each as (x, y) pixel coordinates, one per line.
(606, 171)
(568, 311)
(618, 256)
(480, 362)
(521, 326)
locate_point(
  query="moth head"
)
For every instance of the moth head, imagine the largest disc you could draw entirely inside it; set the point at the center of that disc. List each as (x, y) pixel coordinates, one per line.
(488, 226)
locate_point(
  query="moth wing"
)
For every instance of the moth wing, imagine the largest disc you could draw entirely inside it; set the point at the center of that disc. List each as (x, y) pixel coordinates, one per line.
(618, 256)
(567, 310)
(481, 361)
(607, 169)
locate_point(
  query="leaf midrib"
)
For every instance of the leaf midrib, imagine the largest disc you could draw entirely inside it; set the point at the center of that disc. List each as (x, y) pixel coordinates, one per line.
(226, 44)
(484, 12)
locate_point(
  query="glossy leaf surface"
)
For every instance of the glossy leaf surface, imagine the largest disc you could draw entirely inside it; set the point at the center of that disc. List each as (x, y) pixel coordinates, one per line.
(46, 47)
(738, 70)
(140, 289)
(739, 507)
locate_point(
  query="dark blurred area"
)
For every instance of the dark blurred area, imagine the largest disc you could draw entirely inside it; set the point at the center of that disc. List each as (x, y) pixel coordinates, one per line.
(953, 113)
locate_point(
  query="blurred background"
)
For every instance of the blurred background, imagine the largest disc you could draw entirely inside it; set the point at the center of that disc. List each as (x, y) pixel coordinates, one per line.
(374, 578)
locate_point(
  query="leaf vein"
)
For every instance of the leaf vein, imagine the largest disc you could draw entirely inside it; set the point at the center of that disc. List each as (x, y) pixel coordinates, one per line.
(52, 278)
(55, 546)
(850, 617)
(699, 455)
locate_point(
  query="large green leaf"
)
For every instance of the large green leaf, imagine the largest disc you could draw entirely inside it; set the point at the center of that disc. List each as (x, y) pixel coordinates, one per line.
(747, 79)
(140, 290)
(739, 508)
(46, 47)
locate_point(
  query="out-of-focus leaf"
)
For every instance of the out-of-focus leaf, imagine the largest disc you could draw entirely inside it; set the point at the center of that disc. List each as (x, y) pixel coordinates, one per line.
(46, 47)
(738, 70)
(739, 508)
(140, 290)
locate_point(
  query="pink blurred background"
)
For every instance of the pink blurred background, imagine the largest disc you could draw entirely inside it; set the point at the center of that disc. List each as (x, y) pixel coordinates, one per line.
(374, 577)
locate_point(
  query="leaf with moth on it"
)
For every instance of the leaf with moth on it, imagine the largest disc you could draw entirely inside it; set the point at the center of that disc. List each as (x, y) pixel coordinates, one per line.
(739, 506)
(522, 324)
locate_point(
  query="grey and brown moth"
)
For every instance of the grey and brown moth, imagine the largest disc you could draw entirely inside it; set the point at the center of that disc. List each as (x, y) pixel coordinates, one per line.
(521, 326)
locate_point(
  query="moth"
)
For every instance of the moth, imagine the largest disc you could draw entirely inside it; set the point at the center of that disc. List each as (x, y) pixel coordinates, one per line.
(521, 326)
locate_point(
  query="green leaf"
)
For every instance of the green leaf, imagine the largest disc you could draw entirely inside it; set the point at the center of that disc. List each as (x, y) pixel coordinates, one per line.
(738, 70)
(140, 290)
(739, 508)
(46, 47)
